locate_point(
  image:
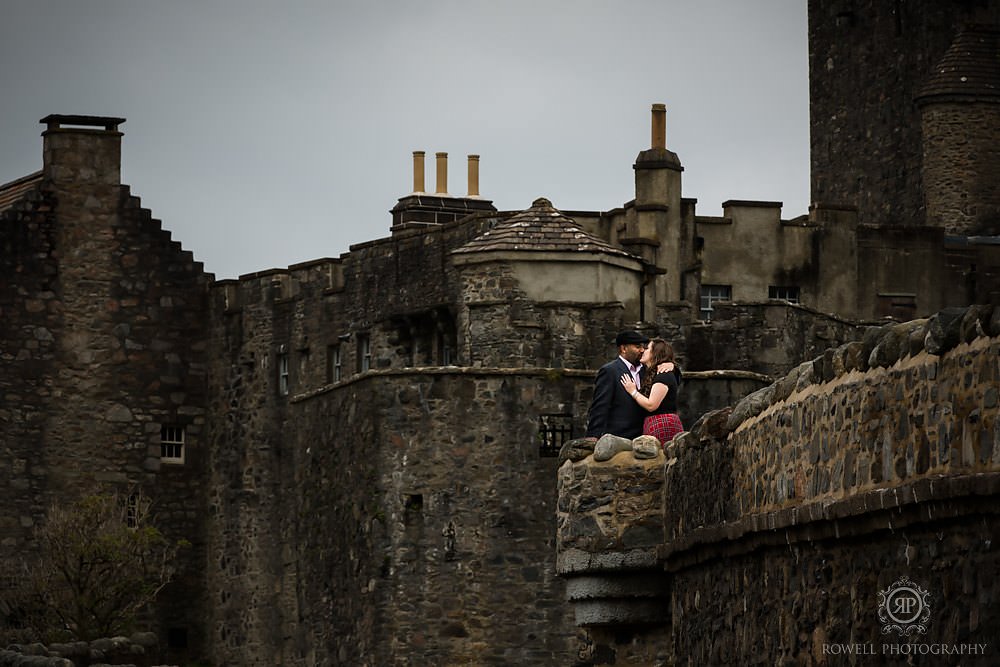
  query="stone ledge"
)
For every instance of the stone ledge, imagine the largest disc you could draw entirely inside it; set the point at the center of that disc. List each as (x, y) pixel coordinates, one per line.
(573, 561)
(924, 500)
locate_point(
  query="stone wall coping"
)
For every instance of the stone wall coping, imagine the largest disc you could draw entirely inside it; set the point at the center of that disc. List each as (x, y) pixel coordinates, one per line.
(712, 220)
(812, 311)
(431, 229)
(751, 203)
(551, 373)
(882, 347)
(419, 371)
(825, 514)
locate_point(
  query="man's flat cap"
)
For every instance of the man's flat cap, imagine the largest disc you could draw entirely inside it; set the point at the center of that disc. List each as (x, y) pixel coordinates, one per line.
(630, 338)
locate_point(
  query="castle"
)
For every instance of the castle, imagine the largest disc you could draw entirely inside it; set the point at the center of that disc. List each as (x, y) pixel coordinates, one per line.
(362, 450)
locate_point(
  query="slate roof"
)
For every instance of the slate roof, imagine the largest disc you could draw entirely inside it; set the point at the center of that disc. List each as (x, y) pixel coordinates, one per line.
(11, 193)
(540, 228)
(970, 67)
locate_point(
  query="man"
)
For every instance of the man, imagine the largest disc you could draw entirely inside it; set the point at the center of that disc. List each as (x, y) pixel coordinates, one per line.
(613, 410)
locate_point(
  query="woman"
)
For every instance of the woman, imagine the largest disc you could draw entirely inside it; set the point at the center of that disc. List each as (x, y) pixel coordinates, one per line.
(658, 394)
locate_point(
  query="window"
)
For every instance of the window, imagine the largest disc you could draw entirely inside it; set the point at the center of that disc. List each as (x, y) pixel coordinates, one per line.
(172, 444)
(132, 510)
(334, 364)
(553, 432)
(364, 353)
(283, 373)
(784, 293)
(712, 293)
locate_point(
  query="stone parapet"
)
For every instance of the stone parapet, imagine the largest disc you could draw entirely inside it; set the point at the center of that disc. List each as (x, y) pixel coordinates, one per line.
(610, 525)
(909, 402)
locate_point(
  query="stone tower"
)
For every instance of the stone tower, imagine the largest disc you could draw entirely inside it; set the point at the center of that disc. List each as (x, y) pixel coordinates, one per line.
(866, 138)
(960, 121)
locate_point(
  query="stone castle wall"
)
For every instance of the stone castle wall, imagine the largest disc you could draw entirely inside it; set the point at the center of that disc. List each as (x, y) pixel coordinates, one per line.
(284, 562)
(830, 490)
(425, 515)
(408, 514)
(100, 350)
(30, 313)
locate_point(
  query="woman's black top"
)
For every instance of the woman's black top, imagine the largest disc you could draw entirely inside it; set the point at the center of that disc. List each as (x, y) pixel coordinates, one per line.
(669, 403)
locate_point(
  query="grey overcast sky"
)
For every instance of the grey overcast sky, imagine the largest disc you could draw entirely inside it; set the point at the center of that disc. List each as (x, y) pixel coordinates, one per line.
(264, 134)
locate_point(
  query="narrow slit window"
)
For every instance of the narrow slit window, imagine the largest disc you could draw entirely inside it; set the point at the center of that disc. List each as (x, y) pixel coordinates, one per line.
(334, 364)
(364, 353)
(132, 510)
(283, 374)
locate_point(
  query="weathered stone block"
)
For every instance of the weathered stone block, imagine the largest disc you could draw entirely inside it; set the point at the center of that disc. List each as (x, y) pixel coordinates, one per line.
(750, 406)
(576, 450)
(609, 445)
(646, 447)
(944, 330)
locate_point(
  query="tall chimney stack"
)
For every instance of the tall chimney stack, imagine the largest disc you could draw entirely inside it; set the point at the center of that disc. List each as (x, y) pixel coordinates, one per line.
(82, 149)
(659, 126)
(473, 175)
(418, 171)
(442, 173)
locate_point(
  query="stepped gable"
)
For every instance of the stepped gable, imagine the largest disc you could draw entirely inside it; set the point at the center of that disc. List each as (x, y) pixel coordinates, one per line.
(970, 67)
(11, 193)
(540, 228)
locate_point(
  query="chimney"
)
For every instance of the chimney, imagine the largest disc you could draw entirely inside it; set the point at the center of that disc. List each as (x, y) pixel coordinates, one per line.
(418, 171)
(473, 175)
(659, 126)
(442, 174)
(82, 149)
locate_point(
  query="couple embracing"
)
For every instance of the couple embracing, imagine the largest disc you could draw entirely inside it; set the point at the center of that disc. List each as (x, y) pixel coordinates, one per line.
(636, 394)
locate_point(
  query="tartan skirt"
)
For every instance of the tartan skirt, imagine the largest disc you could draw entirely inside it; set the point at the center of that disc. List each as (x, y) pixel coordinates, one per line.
(662, 427)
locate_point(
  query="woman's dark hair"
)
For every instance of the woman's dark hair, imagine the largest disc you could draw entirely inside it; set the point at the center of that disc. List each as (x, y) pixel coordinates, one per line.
(662, 352)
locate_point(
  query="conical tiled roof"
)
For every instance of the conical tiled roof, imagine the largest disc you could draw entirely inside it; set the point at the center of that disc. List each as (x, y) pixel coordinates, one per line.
(970, 67)
(540, 228)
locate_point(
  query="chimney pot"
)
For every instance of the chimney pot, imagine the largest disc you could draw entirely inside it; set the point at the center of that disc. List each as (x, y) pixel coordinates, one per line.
(418, 171)
(473, 175)
(442, 173)
(659, 126)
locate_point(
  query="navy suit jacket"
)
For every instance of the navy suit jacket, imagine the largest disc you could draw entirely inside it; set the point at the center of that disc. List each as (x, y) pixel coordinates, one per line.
(612, 409)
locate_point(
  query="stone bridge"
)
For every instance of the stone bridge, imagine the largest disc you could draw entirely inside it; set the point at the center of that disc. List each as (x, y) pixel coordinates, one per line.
(784, 529)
